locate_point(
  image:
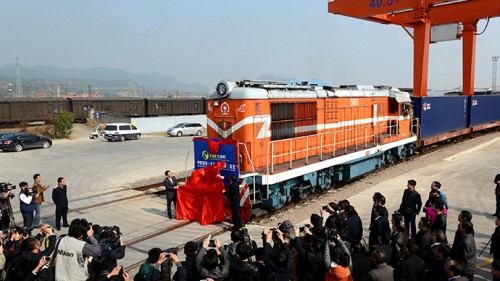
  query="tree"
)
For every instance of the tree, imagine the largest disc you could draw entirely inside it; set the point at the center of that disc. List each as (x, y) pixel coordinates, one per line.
(63, 123)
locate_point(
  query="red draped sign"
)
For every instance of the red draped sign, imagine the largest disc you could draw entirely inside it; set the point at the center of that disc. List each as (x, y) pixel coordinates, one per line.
(202, 198)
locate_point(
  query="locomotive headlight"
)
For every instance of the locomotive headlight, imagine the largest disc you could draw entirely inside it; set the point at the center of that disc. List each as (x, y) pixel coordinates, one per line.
(224, 88)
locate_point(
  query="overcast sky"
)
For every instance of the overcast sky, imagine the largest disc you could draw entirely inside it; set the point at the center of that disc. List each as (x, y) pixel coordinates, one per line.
(207, 41)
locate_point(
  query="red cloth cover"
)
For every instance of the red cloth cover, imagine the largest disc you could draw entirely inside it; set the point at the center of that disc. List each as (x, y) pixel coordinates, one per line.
(201, 199)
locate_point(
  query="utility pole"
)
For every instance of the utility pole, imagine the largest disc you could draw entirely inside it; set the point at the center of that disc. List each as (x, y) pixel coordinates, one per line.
(494, 76)
(19, 86)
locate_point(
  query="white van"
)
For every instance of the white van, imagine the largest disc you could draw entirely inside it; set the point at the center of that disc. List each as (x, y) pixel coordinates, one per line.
(121, 131)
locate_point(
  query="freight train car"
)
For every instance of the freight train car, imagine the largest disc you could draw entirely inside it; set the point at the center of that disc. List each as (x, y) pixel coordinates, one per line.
(296, 139)
(15, 110)
(173, 106)
(441, 118)
(484, 112)
(82, 108)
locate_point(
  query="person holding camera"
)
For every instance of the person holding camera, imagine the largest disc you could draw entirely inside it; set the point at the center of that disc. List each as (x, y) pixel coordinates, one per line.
(26, 204)
(72, 254)
(279, 261)
(5, 196)
(311, 262)
(38, 190)
(207, 261)
(150, 269)
(32, 252)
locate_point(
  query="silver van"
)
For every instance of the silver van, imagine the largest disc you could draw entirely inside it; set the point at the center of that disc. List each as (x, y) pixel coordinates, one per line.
(183, 129)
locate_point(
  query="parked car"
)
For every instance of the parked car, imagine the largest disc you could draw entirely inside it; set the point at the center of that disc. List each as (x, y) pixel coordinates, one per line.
(121, 131)
(19, 142)
(182, 129)
(98, 131)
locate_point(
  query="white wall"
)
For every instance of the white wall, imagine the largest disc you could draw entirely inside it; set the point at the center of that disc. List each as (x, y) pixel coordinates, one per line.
(161, 124)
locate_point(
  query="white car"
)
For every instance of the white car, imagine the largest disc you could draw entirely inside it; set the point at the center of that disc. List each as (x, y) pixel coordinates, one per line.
(121, 131)
(98, 131)
(183, 129)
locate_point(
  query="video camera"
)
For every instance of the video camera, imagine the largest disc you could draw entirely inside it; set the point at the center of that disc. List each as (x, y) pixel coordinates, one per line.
(245, 237)
(5, 187)
(108, 237)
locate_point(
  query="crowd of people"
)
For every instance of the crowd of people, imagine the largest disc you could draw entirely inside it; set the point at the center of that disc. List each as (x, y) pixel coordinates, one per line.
(402, 245)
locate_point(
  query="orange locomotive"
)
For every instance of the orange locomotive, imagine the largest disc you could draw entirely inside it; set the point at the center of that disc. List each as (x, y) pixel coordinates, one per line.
(295, 139)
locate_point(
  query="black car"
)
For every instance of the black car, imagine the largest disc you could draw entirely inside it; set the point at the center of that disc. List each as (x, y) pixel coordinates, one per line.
(19, 142)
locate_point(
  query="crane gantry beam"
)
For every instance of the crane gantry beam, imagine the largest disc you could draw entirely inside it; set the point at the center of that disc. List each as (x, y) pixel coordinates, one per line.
(421, 15)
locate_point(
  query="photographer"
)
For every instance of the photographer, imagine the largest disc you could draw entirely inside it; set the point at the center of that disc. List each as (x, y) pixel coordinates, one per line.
(110, 240)
(32, 252)
(149, 270)
(279, 263)
(71, 261)
(207, 262)
(26, 204)
(5, 196)
(311, 261)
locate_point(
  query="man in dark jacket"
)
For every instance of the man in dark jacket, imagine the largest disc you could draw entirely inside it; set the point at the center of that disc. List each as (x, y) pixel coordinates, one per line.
(360, 262)
(171, 186)
(241, 268)
(410, 207)
(381, 232)
(497, 195)
(32, 253)
(353, 225)
(60, 199)
(233, 194)
(412, 267)
(311, 262)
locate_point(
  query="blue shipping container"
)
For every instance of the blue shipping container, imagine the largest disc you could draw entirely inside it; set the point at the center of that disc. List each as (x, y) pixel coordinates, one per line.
(484, 109)
(440, 115)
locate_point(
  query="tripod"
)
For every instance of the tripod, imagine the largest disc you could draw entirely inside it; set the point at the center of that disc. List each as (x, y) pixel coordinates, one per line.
(485, 247)
(9, 213)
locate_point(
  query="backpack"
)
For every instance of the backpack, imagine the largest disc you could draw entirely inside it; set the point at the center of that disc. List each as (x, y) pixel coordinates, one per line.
(145, 272)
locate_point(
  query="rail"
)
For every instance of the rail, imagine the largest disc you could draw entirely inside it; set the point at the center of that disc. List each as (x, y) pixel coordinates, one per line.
(339, 140)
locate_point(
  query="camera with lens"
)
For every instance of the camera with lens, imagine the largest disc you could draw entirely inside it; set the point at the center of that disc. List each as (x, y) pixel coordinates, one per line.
(303, 228)
(332, 233)
(108, 237)
(245, 237)
(172, 250)
(5, 187)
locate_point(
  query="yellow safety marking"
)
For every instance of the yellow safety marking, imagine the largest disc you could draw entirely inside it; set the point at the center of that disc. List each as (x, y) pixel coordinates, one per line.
(484, 263)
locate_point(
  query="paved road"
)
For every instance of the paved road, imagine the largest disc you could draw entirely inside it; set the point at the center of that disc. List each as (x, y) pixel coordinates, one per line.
(94, 166)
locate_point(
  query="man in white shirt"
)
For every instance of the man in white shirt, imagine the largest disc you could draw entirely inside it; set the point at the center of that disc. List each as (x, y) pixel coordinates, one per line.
(26, 204)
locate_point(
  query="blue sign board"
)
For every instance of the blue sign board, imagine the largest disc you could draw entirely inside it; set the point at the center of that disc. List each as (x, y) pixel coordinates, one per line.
(228, 153)
(97, 115)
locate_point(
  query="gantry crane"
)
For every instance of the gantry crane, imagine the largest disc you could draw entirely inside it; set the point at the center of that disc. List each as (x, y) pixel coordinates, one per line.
(421, 15)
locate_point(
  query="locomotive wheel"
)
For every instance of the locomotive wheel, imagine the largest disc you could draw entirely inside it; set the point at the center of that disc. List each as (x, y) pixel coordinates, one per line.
(198, 133)
(46, 144)
(179, 134)
(122, 138)
(19, 147)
